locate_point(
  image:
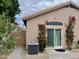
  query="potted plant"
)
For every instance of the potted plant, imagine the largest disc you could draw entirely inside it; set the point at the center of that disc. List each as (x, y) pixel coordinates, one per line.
(70, 32)
(41, 37)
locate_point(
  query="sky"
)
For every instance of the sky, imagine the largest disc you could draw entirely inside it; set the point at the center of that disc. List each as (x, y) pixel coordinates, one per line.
(18, 19)
(28, 7)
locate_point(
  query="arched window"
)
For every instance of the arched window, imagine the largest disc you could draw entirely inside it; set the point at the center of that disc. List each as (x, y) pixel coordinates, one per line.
(55, 23)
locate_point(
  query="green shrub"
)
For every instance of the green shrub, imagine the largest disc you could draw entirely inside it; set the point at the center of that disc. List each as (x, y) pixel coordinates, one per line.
(42, 45)
(70, 32)
(77, 46)
(7, 42)
(41, 37)
(7, 45)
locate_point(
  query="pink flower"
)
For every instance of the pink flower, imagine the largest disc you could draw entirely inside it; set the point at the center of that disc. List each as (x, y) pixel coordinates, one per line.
(73, 19)
(41, 27)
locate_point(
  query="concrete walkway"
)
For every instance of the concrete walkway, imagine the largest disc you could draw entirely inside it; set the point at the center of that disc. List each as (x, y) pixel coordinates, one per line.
(19, 53)
(16, 53)
(38, 56)
(62, 55)
(20, 42)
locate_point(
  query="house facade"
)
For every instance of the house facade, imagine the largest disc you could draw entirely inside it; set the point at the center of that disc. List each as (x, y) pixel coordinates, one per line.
(55, 19)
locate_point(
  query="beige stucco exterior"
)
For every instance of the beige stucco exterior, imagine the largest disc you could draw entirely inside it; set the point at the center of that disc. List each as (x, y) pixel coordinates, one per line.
(20, 37)
(60, 15)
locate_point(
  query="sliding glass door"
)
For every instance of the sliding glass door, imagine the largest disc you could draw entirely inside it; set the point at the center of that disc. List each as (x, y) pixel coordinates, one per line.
(50, 37)
(57, 37)
(54, 37)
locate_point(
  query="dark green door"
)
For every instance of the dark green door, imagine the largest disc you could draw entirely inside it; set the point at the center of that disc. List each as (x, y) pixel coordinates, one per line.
(50, 37)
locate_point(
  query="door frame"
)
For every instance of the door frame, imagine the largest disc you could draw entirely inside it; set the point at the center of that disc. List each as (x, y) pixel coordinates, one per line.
(55, 27)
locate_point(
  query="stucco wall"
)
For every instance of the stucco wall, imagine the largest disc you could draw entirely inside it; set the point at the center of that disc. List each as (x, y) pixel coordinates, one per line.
(61, 15)
(20, 37)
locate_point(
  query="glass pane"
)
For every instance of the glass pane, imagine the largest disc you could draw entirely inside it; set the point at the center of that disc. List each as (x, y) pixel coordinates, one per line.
(50, 37)
(57, 39)
(55, 23)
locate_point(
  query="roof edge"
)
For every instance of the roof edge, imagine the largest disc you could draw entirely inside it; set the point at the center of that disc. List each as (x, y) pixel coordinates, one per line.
(46, 10)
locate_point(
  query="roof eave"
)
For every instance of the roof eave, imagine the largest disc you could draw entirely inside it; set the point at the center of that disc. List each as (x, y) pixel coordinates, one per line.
(75, 4)
(46, 10)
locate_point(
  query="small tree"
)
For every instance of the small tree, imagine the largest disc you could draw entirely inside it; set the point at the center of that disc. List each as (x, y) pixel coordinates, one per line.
(70, 32)
(41, 37)
(8, 9)
(7, 43)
